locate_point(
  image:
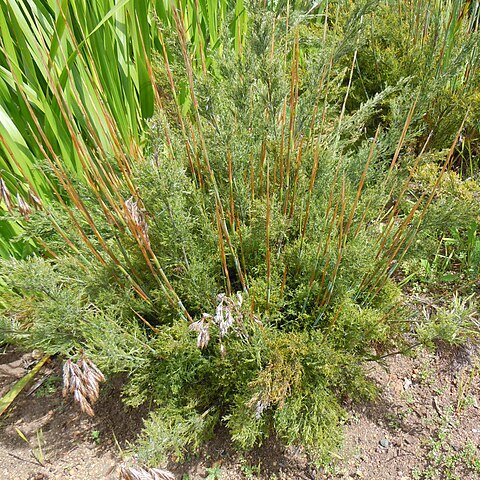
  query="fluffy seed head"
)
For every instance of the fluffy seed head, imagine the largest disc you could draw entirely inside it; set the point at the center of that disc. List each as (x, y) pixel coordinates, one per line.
(5, 195)
(34, 200)
(137, 215)
(201, 327)
(82, 380)
(23, 207)
(144, 473)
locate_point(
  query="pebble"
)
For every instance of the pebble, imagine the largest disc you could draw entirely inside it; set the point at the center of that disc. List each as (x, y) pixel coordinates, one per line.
(407, 383)
(384, 443)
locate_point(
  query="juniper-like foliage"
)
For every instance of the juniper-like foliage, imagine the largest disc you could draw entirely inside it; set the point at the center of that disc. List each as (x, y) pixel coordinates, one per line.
(245, 270)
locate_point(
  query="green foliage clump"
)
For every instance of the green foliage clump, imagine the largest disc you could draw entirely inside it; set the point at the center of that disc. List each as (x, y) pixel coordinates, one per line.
(454, 324)
(433, 45)
(244, 272)
(448, 246)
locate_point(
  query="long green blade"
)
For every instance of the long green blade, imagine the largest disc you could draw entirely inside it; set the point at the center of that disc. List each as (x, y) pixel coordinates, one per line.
(13, 393)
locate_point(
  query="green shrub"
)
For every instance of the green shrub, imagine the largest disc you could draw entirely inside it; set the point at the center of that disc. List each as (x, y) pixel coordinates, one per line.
(454, 324)
(433, 45)
(447, 248)
(242, 273)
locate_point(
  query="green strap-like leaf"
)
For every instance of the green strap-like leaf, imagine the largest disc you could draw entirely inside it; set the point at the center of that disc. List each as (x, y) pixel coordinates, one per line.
(10, 396)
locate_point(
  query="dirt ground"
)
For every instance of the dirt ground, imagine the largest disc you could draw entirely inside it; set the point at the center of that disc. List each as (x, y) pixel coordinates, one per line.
(424, 425)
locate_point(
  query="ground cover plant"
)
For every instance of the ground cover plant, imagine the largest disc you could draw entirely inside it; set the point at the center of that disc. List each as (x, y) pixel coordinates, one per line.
(240, 267)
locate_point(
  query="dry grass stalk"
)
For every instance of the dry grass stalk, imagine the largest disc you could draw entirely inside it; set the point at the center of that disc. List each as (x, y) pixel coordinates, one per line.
(144, 473)
(82, 380)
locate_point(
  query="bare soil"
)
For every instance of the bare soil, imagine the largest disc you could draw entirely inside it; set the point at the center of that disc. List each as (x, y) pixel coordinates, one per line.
(424, 425)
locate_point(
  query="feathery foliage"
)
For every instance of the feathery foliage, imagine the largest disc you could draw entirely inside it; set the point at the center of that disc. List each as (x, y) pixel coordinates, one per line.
(242, 268)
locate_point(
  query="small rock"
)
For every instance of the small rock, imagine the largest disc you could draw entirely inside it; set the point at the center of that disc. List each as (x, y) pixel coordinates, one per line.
(407, 383)
(39, 476)
(384, 443)
(312, 473)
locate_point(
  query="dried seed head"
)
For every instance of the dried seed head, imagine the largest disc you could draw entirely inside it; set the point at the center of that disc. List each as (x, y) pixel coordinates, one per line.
(132, 208)
(98, 375)
(66, 377)
(226, 322)
(137, 215)
(23, 207)
(239, 299)
(34, 200)
(260, 406)
(227, 313)
(82, 380)
(5, 195)
(219, 311)
(83, 402)
(162, 474)
(91, 388)
(144, 473)
(201, 327)
(131, 473)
